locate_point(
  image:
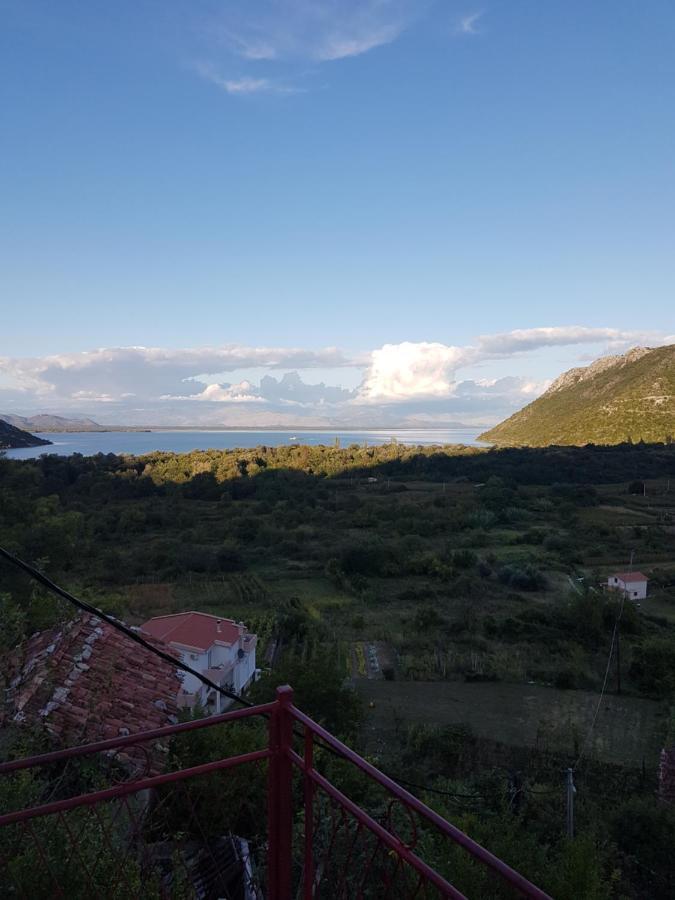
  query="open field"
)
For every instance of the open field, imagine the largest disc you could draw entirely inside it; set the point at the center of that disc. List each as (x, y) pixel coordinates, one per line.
(459, 590)
(628, 730)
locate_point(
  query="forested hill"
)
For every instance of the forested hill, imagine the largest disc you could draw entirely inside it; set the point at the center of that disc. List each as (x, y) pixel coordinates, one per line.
(11, 437)
(616, 399)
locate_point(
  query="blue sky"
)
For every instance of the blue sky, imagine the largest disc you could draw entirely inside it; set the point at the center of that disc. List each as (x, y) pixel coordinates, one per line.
(296, 174)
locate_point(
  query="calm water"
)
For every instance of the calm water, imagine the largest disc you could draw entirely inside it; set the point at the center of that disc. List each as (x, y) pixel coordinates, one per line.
(89, 443)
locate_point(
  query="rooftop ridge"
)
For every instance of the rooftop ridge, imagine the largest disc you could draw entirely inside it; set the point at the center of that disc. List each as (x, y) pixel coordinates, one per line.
(195, 612)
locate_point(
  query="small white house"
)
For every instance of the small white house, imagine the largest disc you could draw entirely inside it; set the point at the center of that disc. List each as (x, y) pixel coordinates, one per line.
(631, 584)
(221, 649)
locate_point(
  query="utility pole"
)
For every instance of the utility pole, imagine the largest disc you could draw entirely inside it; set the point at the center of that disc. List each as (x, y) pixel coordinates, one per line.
(618, 658)
(571, 791)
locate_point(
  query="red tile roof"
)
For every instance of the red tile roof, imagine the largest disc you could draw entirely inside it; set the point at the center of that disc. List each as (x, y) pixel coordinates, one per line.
(195, 630)
(628, 577)
(85, 681)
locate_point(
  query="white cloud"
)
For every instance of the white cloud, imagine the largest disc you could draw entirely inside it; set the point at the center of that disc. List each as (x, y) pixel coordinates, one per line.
(242, 86)
(318, 30)
(340, 46)
(290, 390)
(231, 393)
(467, 24)
(401, 372)
(150, 372)
(405, 371)
(401, 383)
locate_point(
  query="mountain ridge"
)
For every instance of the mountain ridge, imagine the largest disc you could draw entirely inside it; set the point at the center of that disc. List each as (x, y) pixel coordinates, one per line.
(628, 397)
(48, 422)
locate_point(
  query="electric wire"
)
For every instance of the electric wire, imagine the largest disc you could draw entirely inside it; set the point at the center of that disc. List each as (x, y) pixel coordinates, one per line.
(50, 585)
(586, 742)
(119, 626)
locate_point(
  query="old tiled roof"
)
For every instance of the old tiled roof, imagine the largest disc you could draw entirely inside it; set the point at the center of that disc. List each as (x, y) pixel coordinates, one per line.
(629, 577)
(195, 630)
(86, 681)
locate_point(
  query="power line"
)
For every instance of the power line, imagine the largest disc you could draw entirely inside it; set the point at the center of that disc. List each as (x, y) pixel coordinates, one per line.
(119, 626)
(179, 664)
(615, 632)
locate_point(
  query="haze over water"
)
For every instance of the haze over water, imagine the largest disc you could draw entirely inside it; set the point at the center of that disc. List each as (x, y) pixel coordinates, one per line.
(137, 443)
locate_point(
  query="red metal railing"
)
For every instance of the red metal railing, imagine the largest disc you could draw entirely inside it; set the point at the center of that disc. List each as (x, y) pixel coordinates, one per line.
(189, 832)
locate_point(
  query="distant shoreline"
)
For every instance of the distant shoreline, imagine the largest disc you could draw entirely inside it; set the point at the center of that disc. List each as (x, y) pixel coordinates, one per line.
(149, 429)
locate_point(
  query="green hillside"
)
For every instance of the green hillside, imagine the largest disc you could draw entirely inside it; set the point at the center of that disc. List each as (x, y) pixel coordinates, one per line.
(616, 399)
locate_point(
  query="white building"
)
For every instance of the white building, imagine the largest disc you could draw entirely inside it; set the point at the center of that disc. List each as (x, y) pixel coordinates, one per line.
(632, 584)
(221, 649)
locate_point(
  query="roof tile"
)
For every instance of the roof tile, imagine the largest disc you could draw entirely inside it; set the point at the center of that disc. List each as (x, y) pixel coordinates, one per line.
(117, 687)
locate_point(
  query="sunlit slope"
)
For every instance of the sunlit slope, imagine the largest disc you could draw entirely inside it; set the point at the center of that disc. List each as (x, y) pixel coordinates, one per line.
(616, 399)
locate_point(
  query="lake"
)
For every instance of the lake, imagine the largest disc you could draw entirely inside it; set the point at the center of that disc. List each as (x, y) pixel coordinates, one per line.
(89, 443)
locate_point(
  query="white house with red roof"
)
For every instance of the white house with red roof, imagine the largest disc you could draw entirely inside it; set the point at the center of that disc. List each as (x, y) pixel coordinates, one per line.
(632, 584)
(222, 649)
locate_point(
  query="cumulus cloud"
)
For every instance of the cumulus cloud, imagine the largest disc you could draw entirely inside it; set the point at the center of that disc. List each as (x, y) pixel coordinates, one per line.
(402, 383)
(400, 372)
(151, 371)
(407, 370)
(292, 389)
(289, 390)
(244, 392)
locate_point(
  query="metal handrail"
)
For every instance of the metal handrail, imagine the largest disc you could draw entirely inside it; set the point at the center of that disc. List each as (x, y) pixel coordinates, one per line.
(455, 834)
(282, 759)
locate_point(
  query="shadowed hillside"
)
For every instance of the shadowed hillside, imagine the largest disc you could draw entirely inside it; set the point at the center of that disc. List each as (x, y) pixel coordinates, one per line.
(11, 437)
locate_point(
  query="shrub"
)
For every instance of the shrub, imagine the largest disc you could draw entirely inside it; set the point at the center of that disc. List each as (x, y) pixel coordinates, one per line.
(464, 559)
(427, 618)
(229, 559)
(653, 667)
(523, 578)
(566, 679)
(365, 557)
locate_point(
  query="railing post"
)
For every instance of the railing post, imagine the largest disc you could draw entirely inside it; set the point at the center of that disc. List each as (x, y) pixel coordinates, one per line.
(308, 866)
(280, 798)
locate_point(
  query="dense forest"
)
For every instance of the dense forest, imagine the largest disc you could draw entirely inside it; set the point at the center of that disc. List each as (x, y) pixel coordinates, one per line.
(470, 573)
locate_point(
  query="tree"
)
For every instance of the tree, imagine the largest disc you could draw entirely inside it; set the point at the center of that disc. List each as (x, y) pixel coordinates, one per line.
(653, 667)
(319, 690)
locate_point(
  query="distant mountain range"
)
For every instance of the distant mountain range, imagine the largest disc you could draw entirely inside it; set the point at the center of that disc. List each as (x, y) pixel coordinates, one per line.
(49, 423)
(616, 399)
(12, 437)
(45, 422)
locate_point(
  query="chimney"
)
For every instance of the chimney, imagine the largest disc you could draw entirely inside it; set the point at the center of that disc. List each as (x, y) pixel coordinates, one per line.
(218, 621)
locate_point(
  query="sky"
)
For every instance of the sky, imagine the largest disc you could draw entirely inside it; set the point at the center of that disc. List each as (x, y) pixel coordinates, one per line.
(328, 211)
